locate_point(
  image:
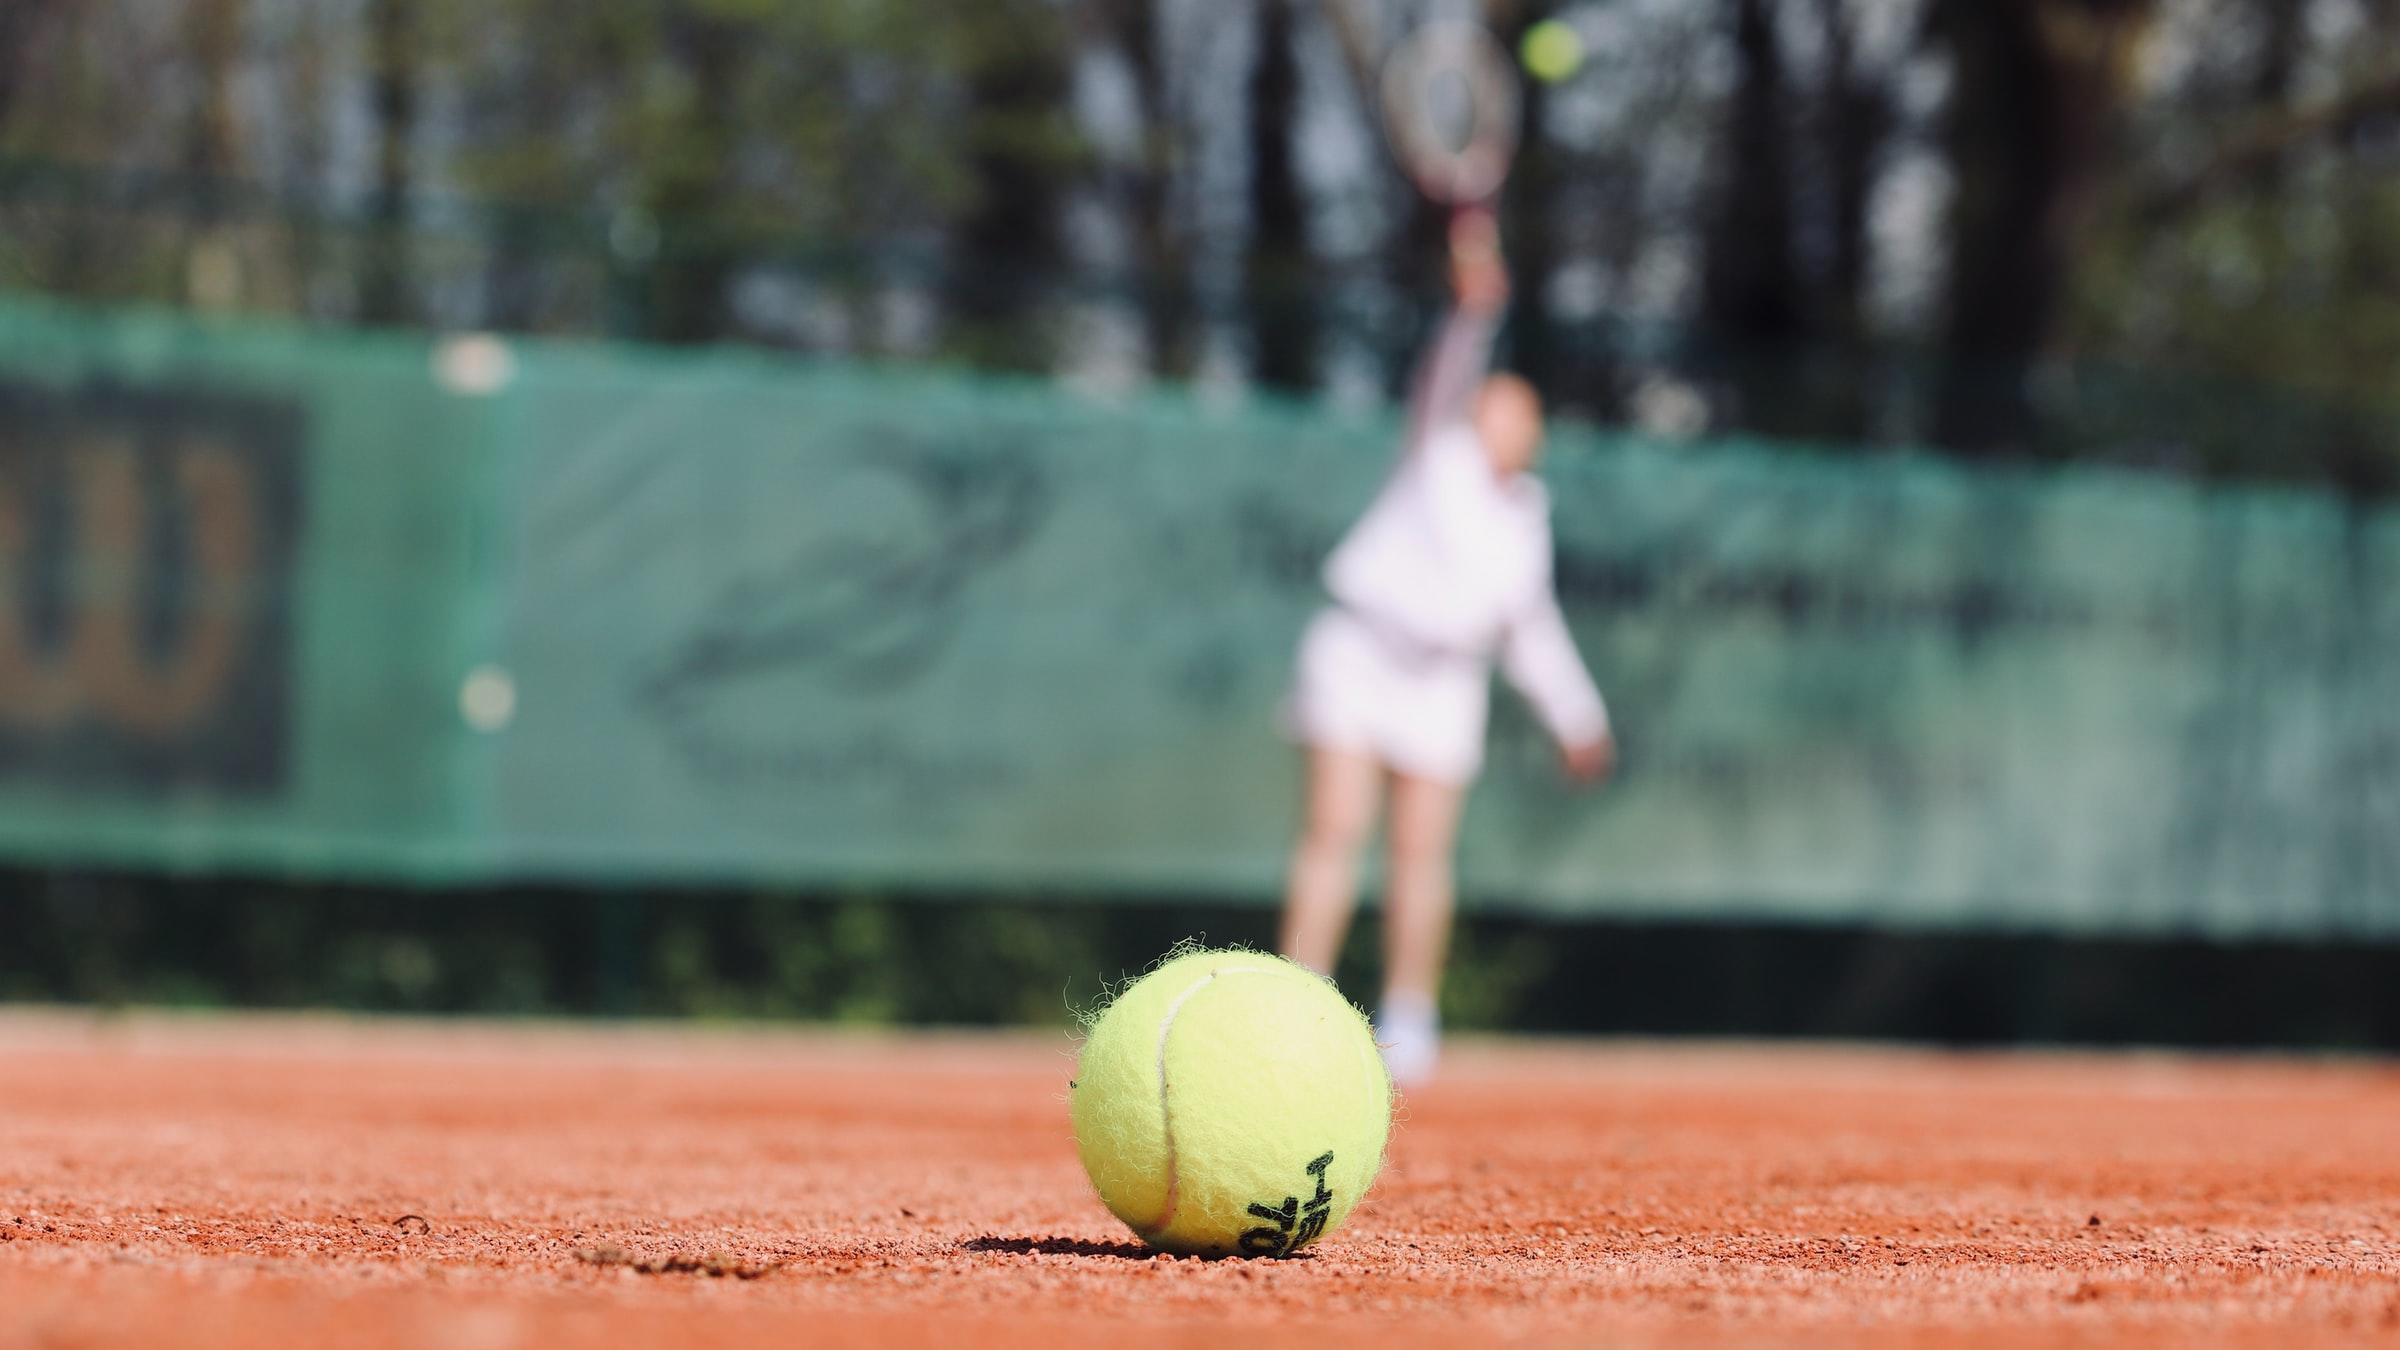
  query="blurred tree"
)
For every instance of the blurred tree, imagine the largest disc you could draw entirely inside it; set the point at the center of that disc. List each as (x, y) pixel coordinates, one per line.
(1148, 184)
(2278, 50)
(1279, 282)
(2248, 249)
(1751, 285)
(2035, 84)
(1855, 118)
(704, 55)
(527, 84)
(302, 65)
(1786, 201)
(28, 29)
(212, 35)
(716, 138)
(211, 150)
(1751, 300)
(1019, 149)
(1786, 249)
(394, 74)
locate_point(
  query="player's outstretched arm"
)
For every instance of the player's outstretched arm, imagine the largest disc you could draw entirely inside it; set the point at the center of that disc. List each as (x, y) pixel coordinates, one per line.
(1539, 658)
(1590, 762)
(1461, 355)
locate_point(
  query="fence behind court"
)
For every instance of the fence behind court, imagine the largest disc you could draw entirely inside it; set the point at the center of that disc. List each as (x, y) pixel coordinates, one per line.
(370, 606)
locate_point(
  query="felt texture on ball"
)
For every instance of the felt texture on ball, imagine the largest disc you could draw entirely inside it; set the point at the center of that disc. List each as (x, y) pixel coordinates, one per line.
(1231, 1103)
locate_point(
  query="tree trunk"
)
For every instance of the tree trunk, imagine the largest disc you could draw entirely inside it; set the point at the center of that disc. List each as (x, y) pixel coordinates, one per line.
(539, 83)
(2278, 50)
(1163, 275)
(2034, 85)
(689, 293)
(312, 156)
(1010, 255)
(1856, 118)
(392, 76)
(1751, 298)
(212, 154)
(21, 24)
(1751, 289)
(1278, 278)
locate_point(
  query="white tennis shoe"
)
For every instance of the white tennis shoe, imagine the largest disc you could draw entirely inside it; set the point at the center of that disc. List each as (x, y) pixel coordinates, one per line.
(1409, 1032)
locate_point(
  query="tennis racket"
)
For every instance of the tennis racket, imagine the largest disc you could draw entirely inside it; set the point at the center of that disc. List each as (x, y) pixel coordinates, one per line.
(1449, 98)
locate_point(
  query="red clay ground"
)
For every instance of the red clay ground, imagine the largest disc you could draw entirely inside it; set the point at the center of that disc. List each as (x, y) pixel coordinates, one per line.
(248, 1182)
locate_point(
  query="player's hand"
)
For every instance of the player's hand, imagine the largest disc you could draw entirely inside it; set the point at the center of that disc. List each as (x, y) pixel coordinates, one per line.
(1478, 277)
(1590, 763)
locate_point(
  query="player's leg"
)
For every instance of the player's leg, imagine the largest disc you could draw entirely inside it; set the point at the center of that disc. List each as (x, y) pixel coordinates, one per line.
(1420, 895)
(1423, 839)
(1338, 815)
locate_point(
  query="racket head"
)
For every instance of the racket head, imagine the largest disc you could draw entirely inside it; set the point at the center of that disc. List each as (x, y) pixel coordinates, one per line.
(1450, 108)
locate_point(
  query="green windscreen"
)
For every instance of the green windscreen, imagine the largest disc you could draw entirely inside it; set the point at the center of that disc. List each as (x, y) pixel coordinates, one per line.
(394, 609)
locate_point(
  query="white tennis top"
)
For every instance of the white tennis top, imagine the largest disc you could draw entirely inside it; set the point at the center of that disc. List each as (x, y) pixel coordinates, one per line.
(1454, 557)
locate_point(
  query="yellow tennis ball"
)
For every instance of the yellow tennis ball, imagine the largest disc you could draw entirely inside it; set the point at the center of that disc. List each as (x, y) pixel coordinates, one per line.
(1231, 1103)
(1551, 50)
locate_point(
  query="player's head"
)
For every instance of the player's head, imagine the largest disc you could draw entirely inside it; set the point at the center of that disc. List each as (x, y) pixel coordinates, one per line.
(1508, 420)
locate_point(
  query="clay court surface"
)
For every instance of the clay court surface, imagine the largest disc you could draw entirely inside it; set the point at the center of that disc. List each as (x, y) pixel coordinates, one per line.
(265, 1182)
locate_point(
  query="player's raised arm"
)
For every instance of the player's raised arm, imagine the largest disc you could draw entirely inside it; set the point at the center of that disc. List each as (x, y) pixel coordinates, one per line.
(1461, 355)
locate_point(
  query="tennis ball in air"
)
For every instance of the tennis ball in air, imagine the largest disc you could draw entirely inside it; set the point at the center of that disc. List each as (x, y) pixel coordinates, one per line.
(1551, 50)
(1231, 1103)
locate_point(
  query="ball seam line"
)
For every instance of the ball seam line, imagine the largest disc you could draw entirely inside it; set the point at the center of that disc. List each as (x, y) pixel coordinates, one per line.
(1166, 1118)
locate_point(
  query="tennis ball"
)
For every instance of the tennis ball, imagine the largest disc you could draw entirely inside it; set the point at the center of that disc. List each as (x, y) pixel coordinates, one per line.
(1551, 50)
(1231, 1103)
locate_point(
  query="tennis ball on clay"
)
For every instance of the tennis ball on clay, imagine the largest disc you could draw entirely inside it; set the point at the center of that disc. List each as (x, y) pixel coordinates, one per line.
(1231, 1103)
(1551, 50)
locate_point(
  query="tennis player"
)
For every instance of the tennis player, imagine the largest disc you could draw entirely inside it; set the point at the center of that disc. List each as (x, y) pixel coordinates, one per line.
(1448, 570)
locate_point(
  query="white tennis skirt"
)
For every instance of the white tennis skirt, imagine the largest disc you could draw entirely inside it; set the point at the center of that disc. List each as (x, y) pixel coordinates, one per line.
(1420, 710)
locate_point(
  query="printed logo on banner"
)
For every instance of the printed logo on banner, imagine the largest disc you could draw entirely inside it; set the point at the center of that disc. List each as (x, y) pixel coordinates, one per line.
(853, 615)
(146, 550)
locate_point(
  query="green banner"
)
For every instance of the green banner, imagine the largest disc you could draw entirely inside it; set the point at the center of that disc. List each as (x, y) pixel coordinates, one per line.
(235, 562)
(617, 616)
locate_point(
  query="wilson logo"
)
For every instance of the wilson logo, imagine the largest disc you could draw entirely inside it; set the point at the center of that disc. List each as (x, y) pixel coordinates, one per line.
(146, 543)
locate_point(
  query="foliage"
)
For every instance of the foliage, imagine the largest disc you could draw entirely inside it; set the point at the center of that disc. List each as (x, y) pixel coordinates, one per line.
(2049, 228)
(852, 957)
